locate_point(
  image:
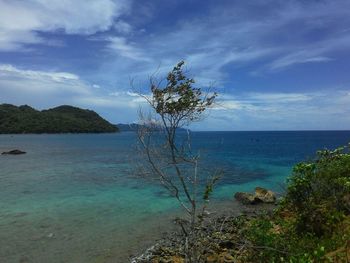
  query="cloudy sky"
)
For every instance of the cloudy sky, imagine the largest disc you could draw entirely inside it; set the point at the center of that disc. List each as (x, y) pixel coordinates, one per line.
(277, 65)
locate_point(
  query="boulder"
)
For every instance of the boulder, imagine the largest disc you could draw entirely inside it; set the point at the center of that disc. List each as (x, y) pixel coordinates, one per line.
(261, 195)
(246, 198)
(14, 152)
(346, 200)
(264, 195)
(224, 257)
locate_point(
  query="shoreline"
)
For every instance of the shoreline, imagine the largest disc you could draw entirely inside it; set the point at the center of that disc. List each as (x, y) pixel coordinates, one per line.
(219, 211)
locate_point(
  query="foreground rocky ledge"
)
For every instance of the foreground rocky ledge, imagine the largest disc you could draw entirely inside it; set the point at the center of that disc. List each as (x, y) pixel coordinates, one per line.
(217, 240)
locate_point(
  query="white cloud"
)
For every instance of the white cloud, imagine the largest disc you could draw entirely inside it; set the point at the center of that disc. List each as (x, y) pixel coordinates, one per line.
(258, 102)
(123, 27)
(21, 20)
(47, 89)
(57, 76)
(296, 58)
(274, 36)
(133, 94)
(323, 109)
(246, 111)
(121, 47)
(38, 83)
(269, 98)
(311, 53)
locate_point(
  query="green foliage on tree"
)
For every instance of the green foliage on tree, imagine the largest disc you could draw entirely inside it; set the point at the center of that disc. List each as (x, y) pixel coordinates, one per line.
(317, 189)
(179, 101)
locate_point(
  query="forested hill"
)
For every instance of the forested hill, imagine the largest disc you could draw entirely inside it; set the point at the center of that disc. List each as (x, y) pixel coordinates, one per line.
(62, 119)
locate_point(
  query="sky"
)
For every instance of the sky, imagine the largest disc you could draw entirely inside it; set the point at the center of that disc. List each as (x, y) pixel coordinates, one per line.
(276, 64)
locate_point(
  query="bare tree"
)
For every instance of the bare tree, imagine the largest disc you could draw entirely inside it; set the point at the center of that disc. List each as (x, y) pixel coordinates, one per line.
(176, 103)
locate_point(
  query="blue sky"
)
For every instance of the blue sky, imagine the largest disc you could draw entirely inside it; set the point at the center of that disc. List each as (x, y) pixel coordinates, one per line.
(277, 65)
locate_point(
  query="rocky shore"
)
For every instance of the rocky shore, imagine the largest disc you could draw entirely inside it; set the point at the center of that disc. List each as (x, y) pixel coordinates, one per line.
(218, 239)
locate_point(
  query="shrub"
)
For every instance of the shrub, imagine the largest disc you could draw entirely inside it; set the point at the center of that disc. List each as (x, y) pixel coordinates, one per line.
(312, 223)
(317, 191)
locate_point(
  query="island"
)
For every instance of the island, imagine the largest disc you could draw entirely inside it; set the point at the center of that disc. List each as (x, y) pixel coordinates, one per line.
(62, 119)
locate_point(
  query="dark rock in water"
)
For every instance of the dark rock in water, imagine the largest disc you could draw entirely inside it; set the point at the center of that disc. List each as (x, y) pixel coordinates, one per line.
(265, 195)
(14, 152)
(246, 198)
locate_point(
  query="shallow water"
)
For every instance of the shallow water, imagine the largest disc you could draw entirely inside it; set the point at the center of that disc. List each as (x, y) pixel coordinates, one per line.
(73, 198)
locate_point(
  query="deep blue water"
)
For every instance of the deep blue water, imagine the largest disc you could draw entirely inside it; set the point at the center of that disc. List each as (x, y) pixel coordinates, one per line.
(74, 198)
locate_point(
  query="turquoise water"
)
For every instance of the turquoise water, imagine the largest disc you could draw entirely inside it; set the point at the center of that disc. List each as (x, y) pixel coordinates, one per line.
(75, 198)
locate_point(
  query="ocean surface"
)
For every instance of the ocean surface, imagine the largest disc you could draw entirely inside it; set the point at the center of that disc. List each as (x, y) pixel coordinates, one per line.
(76, 198)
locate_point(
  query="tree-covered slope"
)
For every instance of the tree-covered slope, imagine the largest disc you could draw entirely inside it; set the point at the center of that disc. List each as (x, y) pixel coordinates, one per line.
(62, 119)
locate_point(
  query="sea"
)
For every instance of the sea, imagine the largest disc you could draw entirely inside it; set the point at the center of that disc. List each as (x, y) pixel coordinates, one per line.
(78, 197)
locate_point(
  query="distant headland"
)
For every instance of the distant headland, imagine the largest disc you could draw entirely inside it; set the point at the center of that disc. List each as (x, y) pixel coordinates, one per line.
(62, 119)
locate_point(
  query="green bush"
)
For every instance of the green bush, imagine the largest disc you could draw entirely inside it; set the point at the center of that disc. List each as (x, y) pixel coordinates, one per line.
(317, 190)
(312, 223)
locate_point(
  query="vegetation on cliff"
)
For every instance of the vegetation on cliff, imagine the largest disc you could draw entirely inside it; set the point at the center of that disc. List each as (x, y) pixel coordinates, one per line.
(62, 119)
(312, 222)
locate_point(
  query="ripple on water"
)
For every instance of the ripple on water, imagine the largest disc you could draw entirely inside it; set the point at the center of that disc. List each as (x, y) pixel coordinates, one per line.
(73, 198)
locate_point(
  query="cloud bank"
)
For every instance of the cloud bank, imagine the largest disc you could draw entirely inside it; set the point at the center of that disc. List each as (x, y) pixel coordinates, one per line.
(21, 21)
(276, 64)
(262, 111)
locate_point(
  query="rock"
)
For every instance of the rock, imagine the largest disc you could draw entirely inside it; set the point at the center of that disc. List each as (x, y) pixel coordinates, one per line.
(168, 259)
(266, 196)
(223, 257)
(261, 195)
(226, 257)
(14, 152)
(346, 200)
(212, 258)
(246, 198)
